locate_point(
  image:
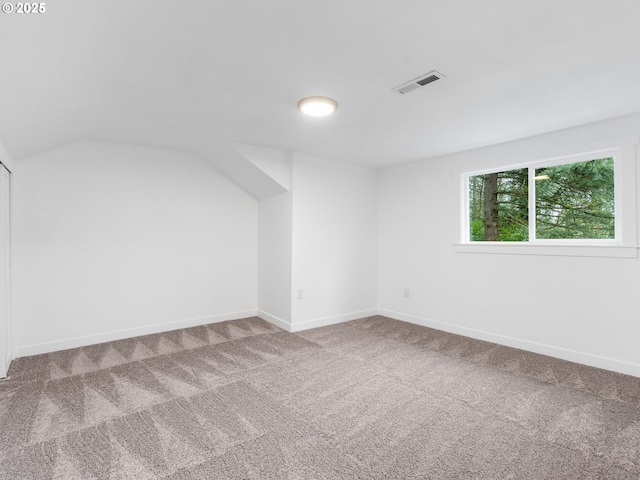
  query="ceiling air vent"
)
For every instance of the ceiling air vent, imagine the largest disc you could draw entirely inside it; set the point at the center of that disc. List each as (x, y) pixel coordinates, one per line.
(418, 82)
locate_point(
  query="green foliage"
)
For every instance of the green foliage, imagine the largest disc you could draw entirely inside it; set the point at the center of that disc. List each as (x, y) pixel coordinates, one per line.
(573, 201)
(576, 201)
(511, 205)
(477, 231)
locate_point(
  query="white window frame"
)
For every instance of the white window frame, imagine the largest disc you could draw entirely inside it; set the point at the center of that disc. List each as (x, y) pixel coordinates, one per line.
(623, 245)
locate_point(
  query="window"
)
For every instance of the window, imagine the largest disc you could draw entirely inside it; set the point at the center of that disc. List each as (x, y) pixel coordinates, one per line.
(499, 206)
(571, 204)
(570, 201)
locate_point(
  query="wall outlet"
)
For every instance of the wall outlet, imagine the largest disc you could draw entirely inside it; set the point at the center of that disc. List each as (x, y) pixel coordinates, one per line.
(406, 293)
(300, 294)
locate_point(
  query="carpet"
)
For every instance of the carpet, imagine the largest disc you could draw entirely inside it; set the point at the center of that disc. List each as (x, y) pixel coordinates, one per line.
(374, 398)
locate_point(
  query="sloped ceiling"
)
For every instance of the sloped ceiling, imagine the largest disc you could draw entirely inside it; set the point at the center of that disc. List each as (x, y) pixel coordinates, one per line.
(195, 75)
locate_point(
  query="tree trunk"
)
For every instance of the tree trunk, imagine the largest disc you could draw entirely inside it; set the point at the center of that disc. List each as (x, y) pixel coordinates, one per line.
(491, 207)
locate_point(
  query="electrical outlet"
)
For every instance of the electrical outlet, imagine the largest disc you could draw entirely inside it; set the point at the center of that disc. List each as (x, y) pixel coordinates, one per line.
(300, 294)
(406, 293)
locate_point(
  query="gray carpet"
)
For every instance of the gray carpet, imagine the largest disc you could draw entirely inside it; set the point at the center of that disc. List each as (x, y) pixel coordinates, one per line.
(370, 399)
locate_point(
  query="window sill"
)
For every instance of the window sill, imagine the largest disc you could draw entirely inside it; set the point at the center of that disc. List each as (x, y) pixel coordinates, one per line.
(564, 250)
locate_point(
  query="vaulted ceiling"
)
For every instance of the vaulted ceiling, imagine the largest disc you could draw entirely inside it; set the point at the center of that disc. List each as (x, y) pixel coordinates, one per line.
(192, 75)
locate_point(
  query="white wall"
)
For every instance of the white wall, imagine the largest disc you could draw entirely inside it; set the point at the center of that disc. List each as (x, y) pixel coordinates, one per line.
(6, 308)
(274, 162)
(581, 309)
(6, 333)
(6, 158)
(274, 259)
(115, 240)
(334, 241)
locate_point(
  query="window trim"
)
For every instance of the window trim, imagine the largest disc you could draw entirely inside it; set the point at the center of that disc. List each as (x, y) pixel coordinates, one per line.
(623, 150)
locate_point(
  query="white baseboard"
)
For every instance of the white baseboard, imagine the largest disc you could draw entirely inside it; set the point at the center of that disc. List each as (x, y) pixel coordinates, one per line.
(54, 346)
(316, 322)
(277, 321)
(565, 354)
(323, 322)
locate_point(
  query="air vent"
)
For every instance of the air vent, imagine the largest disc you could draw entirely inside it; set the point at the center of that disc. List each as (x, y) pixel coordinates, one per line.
(418, 82)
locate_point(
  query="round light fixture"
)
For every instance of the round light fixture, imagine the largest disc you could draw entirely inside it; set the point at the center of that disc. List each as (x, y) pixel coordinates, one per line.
(317, 106)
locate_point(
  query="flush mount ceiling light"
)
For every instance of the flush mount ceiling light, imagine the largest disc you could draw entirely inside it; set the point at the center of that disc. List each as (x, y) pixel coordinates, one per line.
(317, 106)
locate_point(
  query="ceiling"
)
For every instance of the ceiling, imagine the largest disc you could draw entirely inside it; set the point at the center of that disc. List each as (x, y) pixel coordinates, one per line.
(184, 74)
